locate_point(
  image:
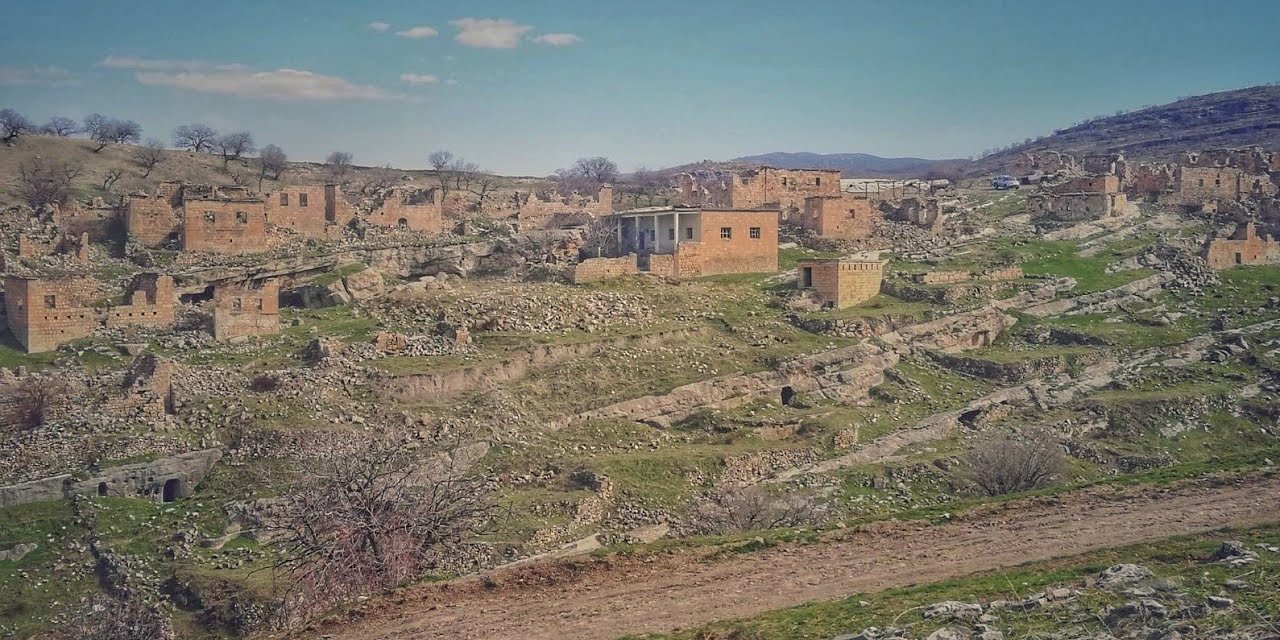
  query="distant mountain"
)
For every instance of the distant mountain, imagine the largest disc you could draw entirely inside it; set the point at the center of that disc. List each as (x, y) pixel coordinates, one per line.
(1239, 118)
(853, 165)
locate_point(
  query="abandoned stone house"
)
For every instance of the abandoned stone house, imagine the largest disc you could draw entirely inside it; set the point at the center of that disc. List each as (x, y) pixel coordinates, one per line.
(1203, 184)
(43, 314)
(246, 309)
(1244, 247)
(553, 211)
(232, 226)
(843, 216)
(70, 244)
(840, 282)
(757, 188)
(687, 242)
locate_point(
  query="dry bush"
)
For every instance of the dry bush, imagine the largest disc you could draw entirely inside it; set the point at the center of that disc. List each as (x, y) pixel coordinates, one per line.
(264, 382)
(42, 183)
(107, 618)
(1014, 463)
(752, 509)
(27, 403)
(366, 520)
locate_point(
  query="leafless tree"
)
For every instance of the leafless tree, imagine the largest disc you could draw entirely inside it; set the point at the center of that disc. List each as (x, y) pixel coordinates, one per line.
(60, 127)
(339, 166)
(482, 184)
(1008, 464)
(365, 520)
(13, 124)
(43, 183)
(443, 162)
(194, 137)
(111, 177)
(27, 403)
(272, 161)
(598, 169)
(752, 509)
(381, 178)
(642, 184)
(149, 155)
(105, 131)
(599, 238)
(234, 146)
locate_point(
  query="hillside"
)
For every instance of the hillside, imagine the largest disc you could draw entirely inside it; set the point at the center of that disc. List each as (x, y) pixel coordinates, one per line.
(1238, 118)
(853, 165)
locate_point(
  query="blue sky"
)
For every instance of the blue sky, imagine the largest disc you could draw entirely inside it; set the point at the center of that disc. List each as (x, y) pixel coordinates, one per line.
(524, 87)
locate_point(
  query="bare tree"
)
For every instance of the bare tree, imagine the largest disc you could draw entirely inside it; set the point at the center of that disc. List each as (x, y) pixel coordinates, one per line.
(111, 177)
(643, 184)
(372, 518)
(194, 137)
(105, 131)
(598, 169)
(28, 402)
(43, 183)
(60, 127)
(442, 162)
(599, 238)
(1005, 465)
(234, 146)
(272, 161)
(13, 124)
(105, 617)
(483, 185)
(149, 155)
(339, 166)
(752, 509)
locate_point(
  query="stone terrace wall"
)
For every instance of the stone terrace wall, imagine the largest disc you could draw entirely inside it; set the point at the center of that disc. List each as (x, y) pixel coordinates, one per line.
(943, 277)
(145, 480)
(600, 269)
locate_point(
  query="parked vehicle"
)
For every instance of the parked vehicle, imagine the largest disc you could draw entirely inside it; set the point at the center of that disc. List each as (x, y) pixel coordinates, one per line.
(1001, 183)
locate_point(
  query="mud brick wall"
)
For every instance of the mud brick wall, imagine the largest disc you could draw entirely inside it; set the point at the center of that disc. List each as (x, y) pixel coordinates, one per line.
(246, 310)
(843, 216)
(150, 219)
(1245, 247)
(786, 188)
(224, 226)
(843, 283)
(600, 269)
(396, 211)
(43, 314)
(301, 209)
(739, 253)
(151, 304)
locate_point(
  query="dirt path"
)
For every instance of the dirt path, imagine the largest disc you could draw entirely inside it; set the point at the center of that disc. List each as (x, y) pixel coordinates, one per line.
(599, 599)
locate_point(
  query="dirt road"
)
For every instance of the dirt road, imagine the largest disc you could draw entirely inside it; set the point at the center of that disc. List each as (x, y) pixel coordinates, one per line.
(597, 599)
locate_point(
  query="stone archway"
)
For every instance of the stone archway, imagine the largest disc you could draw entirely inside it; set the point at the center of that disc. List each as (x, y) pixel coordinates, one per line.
(788, 396)
(172, 490)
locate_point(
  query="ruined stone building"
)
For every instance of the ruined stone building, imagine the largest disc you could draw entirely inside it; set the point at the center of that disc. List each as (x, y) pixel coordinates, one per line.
(1203, 184)
(1082, 198)
(534, 212)
(305, 210)
(224, 225)
(844, 216)
(45, 313)
(687, 242)
(246, 309)
(841, 282)
(1244, 247)
(416, 209)
(757, 188)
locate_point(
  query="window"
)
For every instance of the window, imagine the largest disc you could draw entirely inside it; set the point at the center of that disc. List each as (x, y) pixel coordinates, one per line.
(1202, 182)
(688, 233)
(755, 233)
(807, 277)
(209, 217)
(237, 304)
(817, 181)
(242, 217)
(653, 234)
(259, 304)
(284, 199)
(671, 233)
(50, 302)
(1217, 182)
(1239, 259)
(302, 199)
(726, 233)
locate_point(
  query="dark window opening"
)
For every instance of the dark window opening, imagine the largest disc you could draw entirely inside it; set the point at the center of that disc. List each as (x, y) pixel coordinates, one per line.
(50, 302)
(302, 199)
(209, 216)
(242, 217)
(403, 222)
(806, 277)
(284, 199)
(171, 488)
(755, 233)
(688, 233)
(726, 233)
(102, 488)
(237, 303)
(1239, 259)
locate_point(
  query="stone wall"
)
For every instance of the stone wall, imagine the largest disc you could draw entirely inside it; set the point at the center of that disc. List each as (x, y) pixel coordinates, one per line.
(43, 314)
(740, 252)
(100, 221)
(533, 212)
(152, 303)
(161, 480)
(151, 220)
(224, 226)
(841, 283)
(246, 309)
(600, 269)
(1244, 247)
(1003, 273)
(418, 210)
(1105, 183)
(786, 189)
(943, 277)
(305, 210)
(1076, 207)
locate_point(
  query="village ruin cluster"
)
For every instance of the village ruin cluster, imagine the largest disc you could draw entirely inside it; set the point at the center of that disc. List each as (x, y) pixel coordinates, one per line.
(725, 350)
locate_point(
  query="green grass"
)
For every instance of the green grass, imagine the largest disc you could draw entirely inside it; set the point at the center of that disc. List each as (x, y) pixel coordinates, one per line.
(330, 277)
(1059, 258)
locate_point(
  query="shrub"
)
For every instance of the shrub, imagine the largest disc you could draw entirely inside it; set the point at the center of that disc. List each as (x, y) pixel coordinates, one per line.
(27, 403)
(752, 509)
(264, 382)
(1007, 465)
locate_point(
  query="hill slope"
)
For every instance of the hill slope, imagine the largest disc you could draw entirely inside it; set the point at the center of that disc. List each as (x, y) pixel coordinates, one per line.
(852, 164)
(1238, 118)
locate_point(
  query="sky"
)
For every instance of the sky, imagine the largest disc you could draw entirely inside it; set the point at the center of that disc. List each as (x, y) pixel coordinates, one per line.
(522, 87)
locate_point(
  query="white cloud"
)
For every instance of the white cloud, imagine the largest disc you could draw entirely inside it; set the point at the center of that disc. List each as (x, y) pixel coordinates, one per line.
(281, 84)
(417, 33)
(451, 82)
(379, 26)
(488, 33)
(35, 77)
(156, 64)
(414, 78)
(558, 39)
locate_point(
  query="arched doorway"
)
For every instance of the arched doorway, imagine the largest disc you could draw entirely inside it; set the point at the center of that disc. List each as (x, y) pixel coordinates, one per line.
(102, 488)
(788, 396)
(171, 489)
